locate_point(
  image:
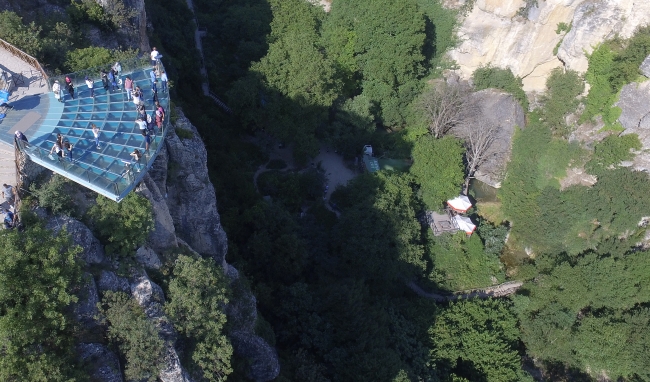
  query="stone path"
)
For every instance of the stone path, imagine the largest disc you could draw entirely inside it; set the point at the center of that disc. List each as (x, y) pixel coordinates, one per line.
(500, 290)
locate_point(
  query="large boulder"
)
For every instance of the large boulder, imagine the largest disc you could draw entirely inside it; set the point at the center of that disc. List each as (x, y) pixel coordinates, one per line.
(93, 251)
(151, 298)
(103, 364)
(191, 197)
(148, 258)
(85, 309)
(635, 118)
(496, 108)
(264, 365)
(109, 281)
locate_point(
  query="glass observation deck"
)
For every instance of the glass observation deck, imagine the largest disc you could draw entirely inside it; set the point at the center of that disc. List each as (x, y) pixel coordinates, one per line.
(109, 170)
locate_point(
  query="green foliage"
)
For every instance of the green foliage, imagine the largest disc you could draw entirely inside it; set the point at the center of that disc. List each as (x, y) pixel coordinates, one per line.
(561, 98)
(379, 222)
(563, 27)
(38, 273)
(109, 17)
(491, 77)
(55, 195)
(136, 336)
(461, 263)
(198, 293)
(438, 168)
(493, 237)
(353, 125)
(586, 313)
(612, 65)
(184, 133)
(611, 151)
(380, 42)
(122, 227)
(479, 339)
(84, 58)
(25, 37)
(291, 189)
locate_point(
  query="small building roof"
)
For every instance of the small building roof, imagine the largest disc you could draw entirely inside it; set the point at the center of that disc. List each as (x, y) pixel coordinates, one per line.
(460, 203)
(465, 224)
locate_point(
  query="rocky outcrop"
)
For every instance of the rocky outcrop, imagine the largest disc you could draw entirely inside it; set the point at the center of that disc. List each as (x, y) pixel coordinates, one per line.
(163, 235)
(109, 281)
(85, 309)
(242, 315)
(597, 20)
(190, 195)
(93, 251)
(493, 33)
(151, 298)
(139, 38)
(103, 364)
(146, 257)
(645, 67)
(635, 118)
(496, 108)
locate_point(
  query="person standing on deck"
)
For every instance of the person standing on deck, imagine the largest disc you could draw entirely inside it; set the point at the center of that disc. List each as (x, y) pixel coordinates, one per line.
(90, 84)
(128, 86)
(8, 194)
(154, 56)
(56, 89)
(163, 81)
(96, 135)
(70, 86)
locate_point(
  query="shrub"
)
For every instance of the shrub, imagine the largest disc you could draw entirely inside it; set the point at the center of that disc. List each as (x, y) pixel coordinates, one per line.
(184, 133)
(563, 27)
(613, 150)
(491, 77)
(55, 195)
(25, 37)
(85, 58)
(198, 292)
(123, 226)
(136, 336)
(560, 99)
(276, 164)
(494, 237)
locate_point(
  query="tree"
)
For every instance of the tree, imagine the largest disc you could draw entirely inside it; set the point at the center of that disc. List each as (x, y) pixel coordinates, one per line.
(124, 226)
(198, 293)
(478, 140)
(561, 98)
(478, 338)
(490, 77)
(24, 37)
(444, 107)
(136, 336)
(38, 273)
(438, 168)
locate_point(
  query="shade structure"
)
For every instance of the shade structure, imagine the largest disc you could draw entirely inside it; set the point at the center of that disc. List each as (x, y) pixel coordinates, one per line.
(460, 203)
(465, 224)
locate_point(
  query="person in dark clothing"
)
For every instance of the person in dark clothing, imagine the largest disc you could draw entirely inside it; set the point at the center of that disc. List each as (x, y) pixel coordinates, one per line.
(104, 77)
(20, 136)
(70, 87)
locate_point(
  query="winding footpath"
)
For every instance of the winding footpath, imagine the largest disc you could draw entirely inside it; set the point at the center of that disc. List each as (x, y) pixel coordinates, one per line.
(500, 290)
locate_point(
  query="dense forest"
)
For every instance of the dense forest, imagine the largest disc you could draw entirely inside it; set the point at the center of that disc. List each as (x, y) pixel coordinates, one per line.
(333, 288)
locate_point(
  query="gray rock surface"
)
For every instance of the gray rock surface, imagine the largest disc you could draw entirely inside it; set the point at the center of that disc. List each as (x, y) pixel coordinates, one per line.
(163, 235)
(103, 363)
(497, 108)
(110, 281)
(148, 258)
(191, 197)
(645, 67)
(635, 118)
(151, 298)
(93, 251)
(264, 365)
(85, 309)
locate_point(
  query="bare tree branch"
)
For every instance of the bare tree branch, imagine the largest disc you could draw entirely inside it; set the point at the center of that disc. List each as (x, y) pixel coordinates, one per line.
(445, 106)
(478, 140)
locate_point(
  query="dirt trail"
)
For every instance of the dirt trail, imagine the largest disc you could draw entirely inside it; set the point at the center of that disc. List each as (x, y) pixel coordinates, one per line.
(500, 290)
(336, 171)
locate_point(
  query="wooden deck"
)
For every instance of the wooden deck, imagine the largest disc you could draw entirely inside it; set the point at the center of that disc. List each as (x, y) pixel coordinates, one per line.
(441, 222)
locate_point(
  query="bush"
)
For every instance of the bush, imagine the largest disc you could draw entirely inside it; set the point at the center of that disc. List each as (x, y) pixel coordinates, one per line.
(24, 37)
(136, 336)
(560, 99)
(55, 195)
(490, 77)
(611, 151)
(85, 58)
(122, 227)
(276, 164)
(198, 293)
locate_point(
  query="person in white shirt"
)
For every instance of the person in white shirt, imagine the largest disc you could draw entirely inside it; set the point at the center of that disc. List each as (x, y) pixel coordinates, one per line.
(141, 124)
(89, 82)
(154, 56)
(56, 89)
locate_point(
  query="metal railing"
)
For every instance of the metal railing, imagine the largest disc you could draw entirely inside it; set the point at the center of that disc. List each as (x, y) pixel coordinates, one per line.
(23, 56)
(130, 65)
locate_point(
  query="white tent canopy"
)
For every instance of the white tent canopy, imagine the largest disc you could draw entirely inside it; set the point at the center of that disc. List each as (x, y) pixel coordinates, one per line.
(460, 203)
(465, 224)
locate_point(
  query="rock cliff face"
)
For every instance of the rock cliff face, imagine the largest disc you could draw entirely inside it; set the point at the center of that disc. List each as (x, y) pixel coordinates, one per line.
(494, 33)
(635, 118)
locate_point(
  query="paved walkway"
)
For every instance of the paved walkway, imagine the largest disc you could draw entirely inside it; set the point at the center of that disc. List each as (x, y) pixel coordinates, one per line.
(27, 83)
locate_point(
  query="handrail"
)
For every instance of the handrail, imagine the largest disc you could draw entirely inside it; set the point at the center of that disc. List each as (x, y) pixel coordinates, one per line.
(23, 56)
